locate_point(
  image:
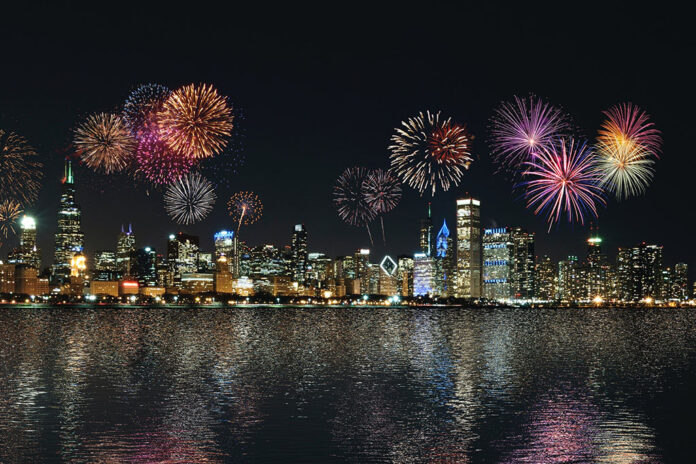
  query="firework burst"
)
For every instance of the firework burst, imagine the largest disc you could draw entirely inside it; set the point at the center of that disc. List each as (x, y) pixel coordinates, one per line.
(157, 163)
(144, 102)
(189, 199)
(350, 199)
(627, 146)
(20, 171)
(10, 211)
(382, 191)
(430, 152)
(104, 143)
(522, 126)
(198, 121)
(245, 207)
(563, 179)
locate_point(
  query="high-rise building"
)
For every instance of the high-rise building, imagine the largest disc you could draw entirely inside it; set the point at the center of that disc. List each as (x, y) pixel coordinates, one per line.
(545, 279)
(7, 277)
(594, 275)
(319, 267)
(423, 275)
(426, 234)
(105, 265)
(69, 237)
(523, 277)
(27, 252)
(182, 255)
(445, 263)
(404, 279)
(625, 286)
(469, 257)
(224, 246)
(125, 246)
(680, 282)
(361, 260)
(646, 269)
(299, 253)
(144, 267)
(388, 276)
(569, 285)
(498, 264)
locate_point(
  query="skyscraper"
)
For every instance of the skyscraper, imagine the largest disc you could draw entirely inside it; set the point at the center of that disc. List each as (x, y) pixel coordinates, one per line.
(545, 279)
(426, 234)
(27, 252)
(498, 264)
(646, 268)
(361, 261)
(182, 254)
(569, 285)
(224, 246)
(105, 265)
(69, 237)
(469, 258)
(423, 275)
(595, 270)
(523, 277)
(444, 262)
(299, 253)
(680, 282)
(144, 267)
(125, 246)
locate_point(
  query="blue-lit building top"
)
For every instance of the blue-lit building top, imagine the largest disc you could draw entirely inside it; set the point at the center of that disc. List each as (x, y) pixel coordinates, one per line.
(442, 239)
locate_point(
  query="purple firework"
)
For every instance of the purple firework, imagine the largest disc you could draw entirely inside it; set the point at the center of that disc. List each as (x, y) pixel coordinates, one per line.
(564, 179)
(523, 126)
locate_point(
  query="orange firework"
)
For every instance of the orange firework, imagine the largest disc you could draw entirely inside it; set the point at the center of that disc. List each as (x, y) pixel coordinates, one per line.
(104, 142)
(10, 211)
(20, 170)
(245, 207)
(198, 121)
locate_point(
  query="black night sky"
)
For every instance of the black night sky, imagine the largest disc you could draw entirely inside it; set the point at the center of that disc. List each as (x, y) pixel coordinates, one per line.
(322, 89)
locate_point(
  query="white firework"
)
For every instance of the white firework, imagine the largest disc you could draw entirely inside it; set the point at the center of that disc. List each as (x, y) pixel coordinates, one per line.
(189, 199)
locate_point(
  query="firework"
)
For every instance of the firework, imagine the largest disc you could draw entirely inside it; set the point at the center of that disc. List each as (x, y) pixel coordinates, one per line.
(350, 199)
(142, 104)
(104, 142)
(563, 179)
(245, 207)
(10, 211)
(20, 172)
(382, 191)
(627, 123)
(198, 121)
(157, 163)
(519, 128)
(189, 199)
(430, 152)
(627, 146)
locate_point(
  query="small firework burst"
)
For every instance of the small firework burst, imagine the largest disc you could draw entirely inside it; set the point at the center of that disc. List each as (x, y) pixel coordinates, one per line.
(430, 152)
(189, 199)
(157, 163)
(10, 211)
(197, 121)
(104, 143)
(142, 104)
(520, 127)
(20, 170)
(627, 123)
(350, 199)
(382, 191)
(564, 179)
(245, 207)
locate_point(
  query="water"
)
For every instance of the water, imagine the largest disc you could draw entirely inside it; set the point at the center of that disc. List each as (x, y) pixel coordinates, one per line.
(347, 385)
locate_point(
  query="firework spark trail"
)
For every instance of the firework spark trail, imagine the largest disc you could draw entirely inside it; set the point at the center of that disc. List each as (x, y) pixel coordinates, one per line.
(350, 199)
(189, 199)
(156, 162)
(20, 170)
(627, 145)
(520, 127)
(382, 194)
(142, 104)
(430, 152)
(564, 179)
(104, 143)
(10, 211)
(245, 208)
(198, 121)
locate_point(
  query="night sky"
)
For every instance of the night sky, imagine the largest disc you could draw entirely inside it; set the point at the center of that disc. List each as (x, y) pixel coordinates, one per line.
(322, 88)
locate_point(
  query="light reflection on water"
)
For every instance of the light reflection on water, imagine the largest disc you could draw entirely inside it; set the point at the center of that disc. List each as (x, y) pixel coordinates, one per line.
(336, 385)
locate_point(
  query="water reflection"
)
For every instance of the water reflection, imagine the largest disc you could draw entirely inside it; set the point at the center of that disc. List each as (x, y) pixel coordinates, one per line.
(360, 385)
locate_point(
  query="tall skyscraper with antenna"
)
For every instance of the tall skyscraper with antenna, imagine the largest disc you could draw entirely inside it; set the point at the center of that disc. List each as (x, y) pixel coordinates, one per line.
(69, 237)
(426, 234)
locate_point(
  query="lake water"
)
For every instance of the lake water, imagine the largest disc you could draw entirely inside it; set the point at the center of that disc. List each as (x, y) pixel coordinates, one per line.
(347, 385)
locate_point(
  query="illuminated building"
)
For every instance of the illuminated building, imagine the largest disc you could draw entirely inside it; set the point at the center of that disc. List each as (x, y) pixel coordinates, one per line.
(224, 246)
(205, 262)
(594, 273)
(105, 265)
(243, 286)
(426, 234)
(569, 283)
(125, 246)
(423, 275)
(388, 276)
(665, 285)
(143, 267)
(182, 255)
(223, 281)
(523, 278)
(498, 262)
(680, 282)
(299, 253)
(152, 292)
(545, 279)
(103, 287)
(404, 279)
(282, 285)
(26, 279)
(469, 257)
(624, 274)
(128, 287)
(373, 271)
(445, 263)
(344, 267)
(197, 282)
(27, 252)
(69, 238)
(361, 261)
(7, 277)
(78, 275)
(646, 267)
(319, 267)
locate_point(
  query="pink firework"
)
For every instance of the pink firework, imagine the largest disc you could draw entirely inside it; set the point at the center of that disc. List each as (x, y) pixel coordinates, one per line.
(564, 179)
(156, 161)
(627, 123)
(521, 127)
